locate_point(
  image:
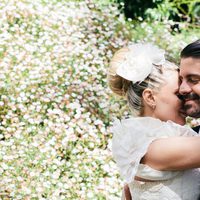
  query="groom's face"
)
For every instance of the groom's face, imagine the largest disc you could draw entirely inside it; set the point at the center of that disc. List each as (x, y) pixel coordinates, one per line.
(190, 85)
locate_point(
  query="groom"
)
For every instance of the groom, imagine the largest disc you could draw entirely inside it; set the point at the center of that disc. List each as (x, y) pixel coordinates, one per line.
(190, 79)
(189, 86)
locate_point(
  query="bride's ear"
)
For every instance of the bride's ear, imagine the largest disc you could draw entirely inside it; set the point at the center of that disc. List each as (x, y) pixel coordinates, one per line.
(149, 98)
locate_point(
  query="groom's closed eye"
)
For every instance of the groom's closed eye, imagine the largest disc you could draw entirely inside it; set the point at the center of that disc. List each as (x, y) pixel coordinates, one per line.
(193, 79)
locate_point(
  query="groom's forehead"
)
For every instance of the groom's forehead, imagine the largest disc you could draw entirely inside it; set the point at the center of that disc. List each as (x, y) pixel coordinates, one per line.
(190, 65)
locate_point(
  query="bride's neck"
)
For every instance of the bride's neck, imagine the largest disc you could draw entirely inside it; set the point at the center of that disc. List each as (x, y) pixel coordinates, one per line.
(148, 112)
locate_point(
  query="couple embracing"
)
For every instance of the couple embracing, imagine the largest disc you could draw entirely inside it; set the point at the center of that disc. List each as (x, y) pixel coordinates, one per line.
(157, 155)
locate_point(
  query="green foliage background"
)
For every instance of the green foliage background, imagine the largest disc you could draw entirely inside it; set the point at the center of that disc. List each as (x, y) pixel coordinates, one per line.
(176, 10)
(55, 106)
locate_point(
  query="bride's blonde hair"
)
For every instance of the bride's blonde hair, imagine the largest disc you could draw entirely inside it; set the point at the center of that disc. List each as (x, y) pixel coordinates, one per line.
(133, 91)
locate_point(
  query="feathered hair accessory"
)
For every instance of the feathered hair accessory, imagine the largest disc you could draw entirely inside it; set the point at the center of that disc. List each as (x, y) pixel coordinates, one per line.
(139, 61)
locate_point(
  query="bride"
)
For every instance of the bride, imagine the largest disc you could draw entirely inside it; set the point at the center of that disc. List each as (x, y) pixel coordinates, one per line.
(157, 156)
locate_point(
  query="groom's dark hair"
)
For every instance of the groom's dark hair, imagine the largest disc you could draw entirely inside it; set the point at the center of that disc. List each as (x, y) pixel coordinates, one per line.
(191, 50)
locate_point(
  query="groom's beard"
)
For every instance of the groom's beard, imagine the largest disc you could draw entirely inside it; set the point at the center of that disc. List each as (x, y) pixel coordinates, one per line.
(191, 104)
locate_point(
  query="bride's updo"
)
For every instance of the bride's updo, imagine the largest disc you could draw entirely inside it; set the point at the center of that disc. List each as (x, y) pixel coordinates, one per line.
(135, 68)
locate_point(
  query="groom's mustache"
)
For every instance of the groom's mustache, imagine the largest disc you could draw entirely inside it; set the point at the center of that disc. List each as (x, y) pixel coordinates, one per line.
(190, 96)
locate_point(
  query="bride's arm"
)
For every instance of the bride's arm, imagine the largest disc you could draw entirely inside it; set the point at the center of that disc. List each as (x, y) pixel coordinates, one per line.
(174, 153)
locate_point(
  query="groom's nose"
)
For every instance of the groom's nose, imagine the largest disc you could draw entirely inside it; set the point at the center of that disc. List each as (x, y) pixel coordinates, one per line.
(184, 88)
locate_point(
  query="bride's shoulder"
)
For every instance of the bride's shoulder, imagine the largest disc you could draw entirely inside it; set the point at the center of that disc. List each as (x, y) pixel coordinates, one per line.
(137, 127)
(181, 130)
(137, 120)
(150, 127)
(135, 123)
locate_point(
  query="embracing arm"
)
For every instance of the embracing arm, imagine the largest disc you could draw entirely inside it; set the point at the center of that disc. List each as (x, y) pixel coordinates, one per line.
(174, 153)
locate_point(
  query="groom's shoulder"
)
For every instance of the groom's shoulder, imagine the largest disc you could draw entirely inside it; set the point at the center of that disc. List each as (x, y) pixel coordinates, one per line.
(196, 128)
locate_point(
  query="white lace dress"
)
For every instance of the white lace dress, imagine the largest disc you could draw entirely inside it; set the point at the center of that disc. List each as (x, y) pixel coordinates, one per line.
(131, 139)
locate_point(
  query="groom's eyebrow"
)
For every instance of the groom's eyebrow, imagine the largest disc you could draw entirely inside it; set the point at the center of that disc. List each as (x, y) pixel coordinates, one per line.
(193, 76)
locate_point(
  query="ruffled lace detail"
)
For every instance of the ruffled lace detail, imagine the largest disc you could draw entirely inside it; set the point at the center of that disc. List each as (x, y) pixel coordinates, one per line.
(132, 137)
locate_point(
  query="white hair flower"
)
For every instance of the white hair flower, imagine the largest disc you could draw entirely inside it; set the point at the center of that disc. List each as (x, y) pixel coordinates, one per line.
(139, 61)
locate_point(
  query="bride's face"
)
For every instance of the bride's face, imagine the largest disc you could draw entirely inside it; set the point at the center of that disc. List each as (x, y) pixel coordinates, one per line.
(168, 104)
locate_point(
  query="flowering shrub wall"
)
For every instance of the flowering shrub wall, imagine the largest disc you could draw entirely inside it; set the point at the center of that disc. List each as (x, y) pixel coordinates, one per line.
(55, 106)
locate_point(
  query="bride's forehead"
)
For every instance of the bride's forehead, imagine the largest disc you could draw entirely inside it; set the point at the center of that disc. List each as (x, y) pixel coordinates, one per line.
(171, 79)
(171, 73)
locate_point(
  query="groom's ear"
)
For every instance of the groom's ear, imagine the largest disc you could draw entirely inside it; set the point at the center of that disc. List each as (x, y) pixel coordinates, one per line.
(148, 97)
